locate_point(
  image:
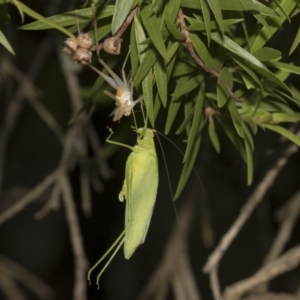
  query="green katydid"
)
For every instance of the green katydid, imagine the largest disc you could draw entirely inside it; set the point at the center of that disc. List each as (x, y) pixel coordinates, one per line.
(139, 191)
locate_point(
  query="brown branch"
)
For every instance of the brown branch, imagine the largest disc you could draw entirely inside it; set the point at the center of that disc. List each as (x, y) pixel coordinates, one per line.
(12, 272)
(31, 196)
(17, 100)
(81, 264)
(174, 268)
(188, 43)
(248, 208)
(272, 296)
(211, 266)
(215, 284)
(287, 216)
(283, 264)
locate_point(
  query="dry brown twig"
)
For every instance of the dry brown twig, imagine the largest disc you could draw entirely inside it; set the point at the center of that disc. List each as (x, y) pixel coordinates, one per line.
(284, 263)
(74, 151)
(174, 268)
(188, 43)
(256, 197)
(12, 273)
(272, 296)
(17, 100)
(287, 216)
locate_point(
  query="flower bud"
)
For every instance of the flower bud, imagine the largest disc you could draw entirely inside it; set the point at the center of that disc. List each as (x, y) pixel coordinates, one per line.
(84, 41)
(82, 56)
(70, 46)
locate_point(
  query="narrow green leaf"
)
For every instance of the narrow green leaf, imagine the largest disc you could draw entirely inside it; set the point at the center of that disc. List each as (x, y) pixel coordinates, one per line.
(134, 57)
(206, 17)
(222, 95)
(284, 132)
(122, 9)
(266, 54)
(203, 52)
(249, 162)
(171, 10)
(42, 19)
(185, 125)
(213, 135)
(295, 42)
(157, 106)
(174, 105)
(251, 124)
(256, 64)
(249, 71)
(285, 67)
(216, 10)
(234, 5)
(146, 79)
(145, 67)
(152, 26)
(182, 68)
(172, 62)
(265, 33)
(4, 16)
(18, 6)
(247, 81)
(198, 117)
(236, 118)
(173, 50)
(157, 6)
(187, 168)
(283, 117)
(197, 25)
(146, 54)
(192, 84)
(69, 18)
(174, 31)
(227, 126)
(148, 97)
(248, 135)
(5, 43)
(188, 111)
(261, 117)
(160, 73)
(261, 19)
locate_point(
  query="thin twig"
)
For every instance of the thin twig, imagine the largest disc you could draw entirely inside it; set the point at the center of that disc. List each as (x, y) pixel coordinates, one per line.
(30, 93)
(283, 264)
(272, 296)
(81, 264)
(188, 43)
(247, 209)
(215, 284)
(175, 250)
(95, 144)
(51, 204)
(31, 196)
(17, 100)
(120, 32)
(287, 216)
(10, 288)
(10, 269)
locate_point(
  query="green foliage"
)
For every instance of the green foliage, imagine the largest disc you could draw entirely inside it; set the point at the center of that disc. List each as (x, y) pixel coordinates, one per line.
(240, 86)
